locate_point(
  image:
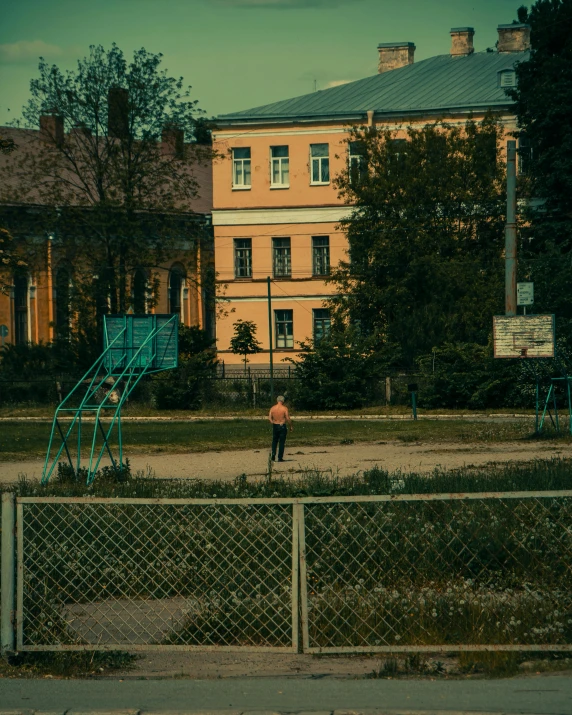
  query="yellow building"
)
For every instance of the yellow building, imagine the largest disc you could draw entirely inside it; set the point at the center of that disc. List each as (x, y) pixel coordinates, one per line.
(275, 205)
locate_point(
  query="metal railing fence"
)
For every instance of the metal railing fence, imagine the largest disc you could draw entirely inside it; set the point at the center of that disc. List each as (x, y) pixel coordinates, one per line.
(453, 572)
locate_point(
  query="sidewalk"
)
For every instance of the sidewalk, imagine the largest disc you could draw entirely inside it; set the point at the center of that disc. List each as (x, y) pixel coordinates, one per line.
(542, 695)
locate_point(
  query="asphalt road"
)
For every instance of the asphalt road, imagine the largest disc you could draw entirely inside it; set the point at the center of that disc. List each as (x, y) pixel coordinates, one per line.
(547, 695)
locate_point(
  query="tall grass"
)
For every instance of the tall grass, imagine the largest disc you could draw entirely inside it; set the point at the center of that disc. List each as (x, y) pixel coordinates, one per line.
(538, 475)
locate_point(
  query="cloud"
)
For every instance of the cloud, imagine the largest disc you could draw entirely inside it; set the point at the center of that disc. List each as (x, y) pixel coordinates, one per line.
(285, 4)
(29, 50)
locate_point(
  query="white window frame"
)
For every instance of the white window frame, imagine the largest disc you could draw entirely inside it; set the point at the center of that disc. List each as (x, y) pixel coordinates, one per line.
(282, 255)
(323, 321)
(239, 163)
(356, 162)
(242, 253)
(320, 162)
(282, 163)
(319, 250)
(284, 340)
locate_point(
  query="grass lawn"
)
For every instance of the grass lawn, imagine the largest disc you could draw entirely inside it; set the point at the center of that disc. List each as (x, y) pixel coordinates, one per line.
(28, 440)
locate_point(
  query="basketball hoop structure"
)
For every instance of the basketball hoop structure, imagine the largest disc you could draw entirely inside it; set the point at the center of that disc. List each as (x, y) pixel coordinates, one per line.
(523, 336)
(134, 346)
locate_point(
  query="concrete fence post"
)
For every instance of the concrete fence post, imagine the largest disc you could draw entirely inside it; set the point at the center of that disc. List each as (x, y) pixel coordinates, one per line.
(8, 572)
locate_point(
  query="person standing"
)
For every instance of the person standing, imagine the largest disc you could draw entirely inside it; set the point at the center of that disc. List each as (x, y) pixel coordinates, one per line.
(280, 419)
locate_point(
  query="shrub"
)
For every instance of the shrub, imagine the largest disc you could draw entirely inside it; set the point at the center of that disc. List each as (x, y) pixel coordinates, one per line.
(338, 372)
(186, 387)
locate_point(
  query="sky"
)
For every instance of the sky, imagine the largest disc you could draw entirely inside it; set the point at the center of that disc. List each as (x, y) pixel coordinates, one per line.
(236, 54)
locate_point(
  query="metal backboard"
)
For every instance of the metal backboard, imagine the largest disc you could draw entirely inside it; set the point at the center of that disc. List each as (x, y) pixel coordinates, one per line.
(148, 342)
(523, 336)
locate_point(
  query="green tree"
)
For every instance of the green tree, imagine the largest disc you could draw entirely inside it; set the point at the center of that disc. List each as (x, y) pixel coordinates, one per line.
(244, 341)
(186, 387)
(9, 259)
(425, 236)
(120, 172)
(543, 97)
(341, 371)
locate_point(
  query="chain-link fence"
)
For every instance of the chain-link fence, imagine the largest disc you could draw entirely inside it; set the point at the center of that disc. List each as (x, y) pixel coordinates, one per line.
(449, 572)
(159, 573)
(373, 573)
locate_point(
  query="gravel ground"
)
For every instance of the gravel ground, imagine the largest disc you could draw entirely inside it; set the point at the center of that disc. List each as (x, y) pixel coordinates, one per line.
(341, 459)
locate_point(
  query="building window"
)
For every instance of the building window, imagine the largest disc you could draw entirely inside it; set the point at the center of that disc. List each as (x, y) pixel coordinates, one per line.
(281, 258)
(525, 154)
(356, 160)
(63, 302)
(139, 286)
(284, 323)
(243, 258)
(280, 166)
(320, 163)
(21, 309)
(321, 317)
(241, 168)
(320, 255)
(176, 284)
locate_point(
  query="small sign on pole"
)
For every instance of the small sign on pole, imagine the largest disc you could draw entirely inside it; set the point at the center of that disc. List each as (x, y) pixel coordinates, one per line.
(524, 293)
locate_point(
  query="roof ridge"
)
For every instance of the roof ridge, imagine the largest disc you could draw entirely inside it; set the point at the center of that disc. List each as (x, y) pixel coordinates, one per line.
(438, 82)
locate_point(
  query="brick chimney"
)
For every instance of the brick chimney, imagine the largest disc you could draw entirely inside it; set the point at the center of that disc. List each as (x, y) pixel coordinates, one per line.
(462, 41)
(173, 140)
(513, 38)
(395, 54)
(118, 112)
(52, 128)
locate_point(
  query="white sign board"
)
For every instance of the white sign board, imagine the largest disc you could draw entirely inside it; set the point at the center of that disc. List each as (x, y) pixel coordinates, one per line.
(523, 336)
(524, 293)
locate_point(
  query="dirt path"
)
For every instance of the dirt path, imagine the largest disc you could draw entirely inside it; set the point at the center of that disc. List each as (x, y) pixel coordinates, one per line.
(341, 459)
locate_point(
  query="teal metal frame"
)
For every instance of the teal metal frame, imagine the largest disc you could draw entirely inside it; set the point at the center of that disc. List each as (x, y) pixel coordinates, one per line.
(127, 357)
(552, 396)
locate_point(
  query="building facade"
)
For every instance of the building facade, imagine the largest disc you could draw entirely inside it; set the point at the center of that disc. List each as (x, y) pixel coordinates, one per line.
(35, 300)
(276, 208)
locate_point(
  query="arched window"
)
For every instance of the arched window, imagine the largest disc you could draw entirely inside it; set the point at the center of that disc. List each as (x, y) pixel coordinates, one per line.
(63, 301)
(21, 306)
(139, 286)
(176, 285)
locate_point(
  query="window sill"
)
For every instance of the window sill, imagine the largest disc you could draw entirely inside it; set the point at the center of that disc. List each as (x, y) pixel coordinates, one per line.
(243, 279)
(241, 188)
(282, 278)
(319, 183)
(320, 276)
(279, 186)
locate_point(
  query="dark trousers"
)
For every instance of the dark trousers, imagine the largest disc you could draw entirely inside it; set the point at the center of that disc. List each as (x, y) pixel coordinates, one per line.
(279, 433)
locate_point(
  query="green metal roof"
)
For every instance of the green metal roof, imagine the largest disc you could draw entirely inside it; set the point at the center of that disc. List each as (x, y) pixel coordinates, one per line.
(437, 84)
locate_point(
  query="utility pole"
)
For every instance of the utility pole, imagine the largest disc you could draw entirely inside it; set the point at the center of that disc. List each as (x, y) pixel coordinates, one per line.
(510, 230)
(270, 340)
